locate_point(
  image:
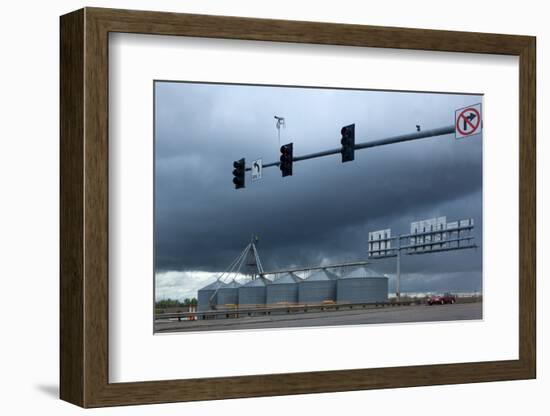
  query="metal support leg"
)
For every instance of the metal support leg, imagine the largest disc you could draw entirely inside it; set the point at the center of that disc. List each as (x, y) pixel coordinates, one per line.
(398, 285)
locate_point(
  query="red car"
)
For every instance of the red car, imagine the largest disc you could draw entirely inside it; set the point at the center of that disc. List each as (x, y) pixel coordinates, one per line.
(441, 299)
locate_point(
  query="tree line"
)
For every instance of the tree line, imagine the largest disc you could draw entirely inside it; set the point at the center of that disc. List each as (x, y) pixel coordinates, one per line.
(175, 303)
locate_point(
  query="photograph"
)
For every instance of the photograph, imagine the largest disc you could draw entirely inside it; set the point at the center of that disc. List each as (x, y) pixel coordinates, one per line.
(289, 206)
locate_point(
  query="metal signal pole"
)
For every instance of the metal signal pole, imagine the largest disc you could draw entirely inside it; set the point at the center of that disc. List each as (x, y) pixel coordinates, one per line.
(373, 143)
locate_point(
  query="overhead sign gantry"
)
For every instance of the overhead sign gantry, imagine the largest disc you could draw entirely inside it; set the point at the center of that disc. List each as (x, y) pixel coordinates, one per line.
(427, 236)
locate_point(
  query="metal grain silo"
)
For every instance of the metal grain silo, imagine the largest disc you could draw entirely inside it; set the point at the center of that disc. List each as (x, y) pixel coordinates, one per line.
(206, 297)
(319, 287)
(362, 286)
(228, 295)
(254, 293)
(283, 290)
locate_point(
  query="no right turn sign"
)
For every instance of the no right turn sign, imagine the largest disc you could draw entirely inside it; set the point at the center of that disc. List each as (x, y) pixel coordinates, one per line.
(468, 121)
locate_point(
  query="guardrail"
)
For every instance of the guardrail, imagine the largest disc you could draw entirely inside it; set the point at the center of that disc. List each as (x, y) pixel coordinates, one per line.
(237, 312)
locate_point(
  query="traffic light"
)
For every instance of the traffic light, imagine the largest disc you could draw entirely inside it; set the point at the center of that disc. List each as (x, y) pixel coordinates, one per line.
(238, 173)
(348, 143)
(286, 160)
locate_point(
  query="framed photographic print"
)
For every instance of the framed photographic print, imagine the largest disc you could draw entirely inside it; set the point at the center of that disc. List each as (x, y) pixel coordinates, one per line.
(244, 199)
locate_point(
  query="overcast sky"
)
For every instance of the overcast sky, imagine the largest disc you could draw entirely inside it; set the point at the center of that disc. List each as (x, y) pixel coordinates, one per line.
(323, 213)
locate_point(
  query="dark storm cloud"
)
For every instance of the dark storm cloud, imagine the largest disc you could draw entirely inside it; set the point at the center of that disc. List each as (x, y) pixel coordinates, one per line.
(324, 212)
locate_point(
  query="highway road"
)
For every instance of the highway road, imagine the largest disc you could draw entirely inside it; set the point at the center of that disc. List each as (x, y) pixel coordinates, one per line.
(400, 314)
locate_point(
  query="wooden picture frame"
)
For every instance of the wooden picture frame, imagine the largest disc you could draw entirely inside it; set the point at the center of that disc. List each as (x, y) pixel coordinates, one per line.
(84, 207)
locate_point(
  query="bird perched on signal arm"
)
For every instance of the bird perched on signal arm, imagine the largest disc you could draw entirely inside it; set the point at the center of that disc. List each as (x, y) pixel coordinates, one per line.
(418, 127)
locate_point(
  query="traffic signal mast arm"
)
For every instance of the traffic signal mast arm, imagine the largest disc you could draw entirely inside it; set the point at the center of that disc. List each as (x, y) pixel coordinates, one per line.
(373, 143)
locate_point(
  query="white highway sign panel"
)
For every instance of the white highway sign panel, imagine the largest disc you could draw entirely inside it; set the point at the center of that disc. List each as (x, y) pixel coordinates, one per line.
(257, 169)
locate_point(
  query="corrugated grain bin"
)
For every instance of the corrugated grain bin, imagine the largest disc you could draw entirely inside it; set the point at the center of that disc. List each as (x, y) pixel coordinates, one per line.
(319, 287)
(229, 294)
(362, 286)
(207, 296)
(254, 293)
(283, 290)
